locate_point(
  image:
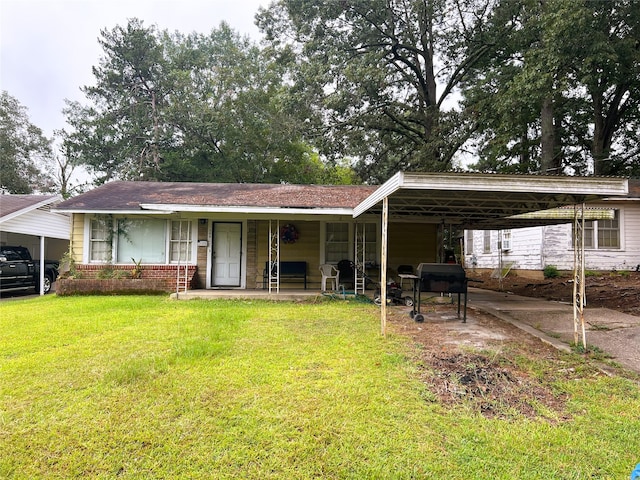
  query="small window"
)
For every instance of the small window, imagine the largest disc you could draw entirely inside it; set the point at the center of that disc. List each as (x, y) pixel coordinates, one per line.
(506, 240)
(336, 242)
(469, 242)
(609, 233)
(487, 241)
(180, 241)
(371, 242)
(100, 235)
(602, 234)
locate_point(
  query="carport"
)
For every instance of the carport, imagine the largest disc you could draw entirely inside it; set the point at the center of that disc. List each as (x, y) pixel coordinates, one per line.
(27, 220)
(488, 202)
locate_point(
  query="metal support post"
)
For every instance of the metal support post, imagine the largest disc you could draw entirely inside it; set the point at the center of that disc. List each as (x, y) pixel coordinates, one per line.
(579, 299)
(383, 265)
(274, 257)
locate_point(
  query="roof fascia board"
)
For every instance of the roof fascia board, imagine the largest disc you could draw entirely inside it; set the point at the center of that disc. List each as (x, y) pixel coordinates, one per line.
(387, 188)
(41, 204)
(108, 212)
(245, 210)
(578, 186)
(599, 186)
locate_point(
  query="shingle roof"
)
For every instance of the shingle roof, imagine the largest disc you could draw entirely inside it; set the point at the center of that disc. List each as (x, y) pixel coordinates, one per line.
(121, 195)
(14, 203)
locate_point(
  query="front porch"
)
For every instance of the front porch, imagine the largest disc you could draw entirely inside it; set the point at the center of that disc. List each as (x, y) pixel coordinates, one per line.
(289, 295)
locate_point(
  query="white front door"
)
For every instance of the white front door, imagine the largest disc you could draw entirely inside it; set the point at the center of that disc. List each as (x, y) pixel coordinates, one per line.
(227, 254)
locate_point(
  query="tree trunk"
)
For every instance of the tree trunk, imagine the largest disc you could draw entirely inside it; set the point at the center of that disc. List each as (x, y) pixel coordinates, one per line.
(548, 160)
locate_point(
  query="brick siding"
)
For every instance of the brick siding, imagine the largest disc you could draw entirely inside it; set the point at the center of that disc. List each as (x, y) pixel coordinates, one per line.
(154, 279)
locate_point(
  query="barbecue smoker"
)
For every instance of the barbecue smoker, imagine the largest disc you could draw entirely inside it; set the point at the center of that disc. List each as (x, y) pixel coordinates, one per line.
(439, 278)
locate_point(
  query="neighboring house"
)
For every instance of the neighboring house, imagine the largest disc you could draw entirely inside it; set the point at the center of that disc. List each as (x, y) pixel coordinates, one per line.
(610, 244)
(28, 221)
(223, 235)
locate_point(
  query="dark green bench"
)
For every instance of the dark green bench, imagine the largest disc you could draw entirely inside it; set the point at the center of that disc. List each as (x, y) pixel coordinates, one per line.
(290, 272)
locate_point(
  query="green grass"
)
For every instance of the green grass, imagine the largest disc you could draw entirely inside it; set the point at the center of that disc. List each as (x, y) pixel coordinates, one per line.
(144, 387)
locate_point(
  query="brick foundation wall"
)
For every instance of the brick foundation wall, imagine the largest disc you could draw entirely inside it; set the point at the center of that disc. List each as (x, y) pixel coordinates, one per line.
(154, 279)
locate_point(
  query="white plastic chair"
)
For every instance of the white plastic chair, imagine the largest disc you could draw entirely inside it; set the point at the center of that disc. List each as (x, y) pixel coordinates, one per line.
(329, 272)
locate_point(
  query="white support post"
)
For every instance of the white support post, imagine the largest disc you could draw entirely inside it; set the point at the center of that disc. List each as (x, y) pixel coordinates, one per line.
(42, 272)
(179, 258)
(579, 299)
(274, 257)
(359, 255)
(383, 266)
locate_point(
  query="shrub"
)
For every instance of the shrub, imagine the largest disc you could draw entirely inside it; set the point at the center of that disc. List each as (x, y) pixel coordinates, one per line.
(551, 271)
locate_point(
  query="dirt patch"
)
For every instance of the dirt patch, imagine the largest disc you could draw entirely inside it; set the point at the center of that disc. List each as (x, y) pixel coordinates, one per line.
(486, 365)
(618, 291)
(496, 369)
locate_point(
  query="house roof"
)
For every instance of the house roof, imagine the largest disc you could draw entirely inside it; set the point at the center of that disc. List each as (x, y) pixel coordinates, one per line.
(471, 200)
(120, 196)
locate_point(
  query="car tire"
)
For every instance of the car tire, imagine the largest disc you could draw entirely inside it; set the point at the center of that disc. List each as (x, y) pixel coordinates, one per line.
(48, 282)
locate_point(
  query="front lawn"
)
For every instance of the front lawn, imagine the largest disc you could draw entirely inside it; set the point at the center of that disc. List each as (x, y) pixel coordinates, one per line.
(145, 387)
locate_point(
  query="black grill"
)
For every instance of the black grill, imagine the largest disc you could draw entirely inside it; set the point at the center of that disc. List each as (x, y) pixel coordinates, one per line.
(439, 278)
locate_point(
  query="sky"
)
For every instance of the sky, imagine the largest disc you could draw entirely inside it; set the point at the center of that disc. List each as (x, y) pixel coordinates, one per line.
(47, 47)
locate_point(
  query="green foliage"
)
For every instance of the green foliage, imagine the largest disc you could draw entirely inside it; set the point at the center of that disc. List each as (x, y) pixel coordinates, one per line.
(195, 107)
(24, 150)
(368, 71)
(560, 91)
(550, 271)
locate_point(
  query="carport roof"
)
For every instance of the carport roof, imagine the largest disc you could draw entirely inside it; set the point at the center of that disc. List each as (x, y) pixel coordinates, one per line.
(14, 205)
(485, 201)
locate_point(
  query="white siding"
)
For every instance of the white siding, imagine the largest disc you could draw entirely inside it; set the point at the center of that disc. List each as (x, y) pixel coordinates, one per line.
(40, 222)
(536, 247)
(524, 252)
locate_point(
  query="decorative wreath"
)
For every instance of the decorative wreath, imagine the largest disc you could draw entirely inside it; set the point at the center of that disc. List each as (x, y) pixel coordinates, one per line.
(289, 234)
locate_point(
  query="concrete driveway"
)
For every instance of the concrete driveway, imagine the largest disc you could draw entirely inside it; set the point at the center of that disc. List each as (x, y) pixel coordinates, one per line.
(615, 333)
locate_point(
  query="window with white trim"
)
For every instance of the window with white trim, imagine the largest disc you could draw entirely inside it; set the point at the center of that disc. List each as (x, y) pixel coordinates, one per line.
(100, 236)
(506, 240)
(469, 242)
(336, 242)
(180, 242)
(602, 234)
(135, 239)
(141, 240)
(486, 246)
(371, 243)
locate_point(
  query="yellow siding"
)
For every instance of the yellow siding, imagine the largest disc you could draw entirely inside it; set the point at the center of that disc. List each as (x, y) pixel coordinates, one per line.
(307, 249)
(411, 244)
(76, 242)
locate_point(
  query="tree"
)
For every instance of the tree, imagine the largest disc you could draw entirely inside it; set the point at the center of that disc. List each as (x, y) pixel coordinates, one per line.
(371, 71)
(23, 149)
(561, 93)
(121, 133)
(189, 107)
